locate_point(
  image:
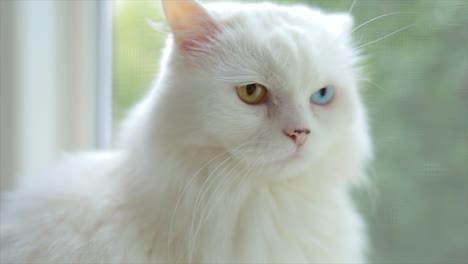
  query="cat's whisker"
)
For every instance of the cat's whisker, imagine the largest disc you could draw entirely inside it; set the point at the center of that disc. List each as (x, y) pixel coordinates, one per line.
(352, 6)
(374, 84)
(386, 36)
(361, 38)
(186, 187)
(215, 201)
(183, 192)
(377, 18)
(204, 188)
(220, 183)
(341, 36)
(210, 182)
(249, 170)
(276, 149)
(197, 201)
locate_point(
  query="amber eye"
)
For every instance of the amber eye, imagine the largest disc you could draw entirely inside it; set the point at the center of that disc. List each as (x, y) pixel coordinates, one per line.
(253, 93)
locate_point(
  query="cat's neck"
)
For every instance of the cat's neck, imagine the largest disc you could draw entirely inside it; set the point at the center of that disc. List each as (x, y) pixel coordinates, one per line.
(189, 194)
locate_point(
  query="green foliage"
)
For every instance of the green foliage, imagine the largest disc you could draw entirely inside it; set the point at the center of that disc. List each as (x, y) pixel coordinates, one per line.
(418, 101)
(137, 52)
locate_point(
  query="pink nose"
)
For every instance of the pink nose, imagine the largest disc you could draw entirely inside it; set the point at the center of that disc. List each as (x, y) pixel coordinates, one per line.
(299, 136)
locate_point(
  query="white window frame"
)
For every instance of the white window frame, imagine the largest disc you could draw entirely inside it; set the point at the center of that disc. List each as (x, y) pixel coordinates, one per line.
(56, 79)
(105, 95)
(7, 94)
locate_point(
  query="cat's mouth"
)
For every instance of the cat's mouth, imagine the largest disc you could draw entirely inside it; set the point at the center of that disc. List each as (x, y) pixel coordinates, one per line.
(297, 155)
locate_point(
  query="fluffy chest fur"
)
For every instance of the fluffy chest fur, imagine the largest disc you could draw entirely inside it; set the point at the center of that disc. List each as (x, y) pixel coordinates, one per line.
(220, 215)
(275, 224)
(228, 219)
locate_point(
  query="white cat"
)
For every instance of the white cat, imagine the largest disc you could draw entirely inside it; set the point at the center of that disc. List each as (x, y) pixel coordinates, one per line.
(243, 152)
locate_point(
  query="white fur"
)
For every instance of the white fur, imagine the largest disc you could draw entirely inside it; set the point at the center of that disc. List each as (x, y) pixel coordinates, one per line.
(226, 166)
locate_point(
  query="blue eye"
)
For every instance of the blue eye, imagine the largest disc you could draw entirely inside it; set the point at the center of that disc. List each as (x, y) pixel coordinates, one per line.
(322, 96)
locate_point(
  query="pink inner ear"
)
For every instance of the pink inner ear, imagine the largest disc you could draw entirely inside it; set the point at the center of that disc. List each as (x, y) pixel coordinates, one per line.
(191, 24)
(198, 38)
(193, 44)
(199, 44)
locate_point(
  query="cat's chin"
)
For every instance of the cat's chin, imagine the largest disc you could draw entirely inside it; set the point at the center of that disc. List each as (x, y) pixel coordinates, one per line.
(288, 166)
(292, 165)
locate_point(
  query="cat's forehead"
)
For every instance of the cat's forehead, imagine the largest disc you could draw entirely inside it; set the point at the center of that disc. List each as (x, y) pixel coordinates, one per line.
(288, 44)
(222, 10)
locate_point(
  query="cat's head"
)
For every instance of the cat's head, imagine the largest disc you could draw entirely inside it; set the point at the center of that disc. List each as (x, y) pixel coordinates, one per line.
(274, 85)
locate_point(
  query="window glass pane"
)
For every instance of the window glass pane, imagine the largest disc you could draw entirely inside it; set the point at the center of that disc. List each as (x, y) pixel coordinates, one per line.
(137, 51)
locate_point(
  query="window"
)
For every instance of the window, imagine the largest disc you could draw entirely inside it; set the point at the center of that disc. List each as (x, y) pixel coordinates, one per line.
(55, 89)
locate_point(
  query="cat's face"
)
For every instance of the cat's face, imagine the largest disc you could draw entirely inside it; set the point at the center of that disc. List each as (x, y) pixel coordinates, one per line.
(275, 86)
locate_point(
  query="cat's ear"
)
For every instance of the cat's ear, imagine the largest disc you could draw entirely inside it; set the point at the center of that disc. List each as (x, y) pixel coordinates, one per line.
(340, 24)
(190, 23)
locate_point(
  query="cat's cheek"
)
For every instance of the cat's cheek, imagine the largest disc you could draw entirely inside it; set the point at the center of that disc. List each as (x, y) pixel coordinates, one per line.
(321, 112)
(236, 122)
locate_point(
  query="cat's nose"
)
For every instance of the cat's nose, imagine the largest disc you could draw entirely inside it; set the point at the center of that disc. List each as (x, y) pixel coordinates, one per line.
(299, 136)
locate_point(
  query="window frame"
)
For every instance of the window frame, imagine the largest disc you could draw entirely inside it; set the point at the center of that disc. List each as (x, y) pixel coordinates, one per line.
(56, 88)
